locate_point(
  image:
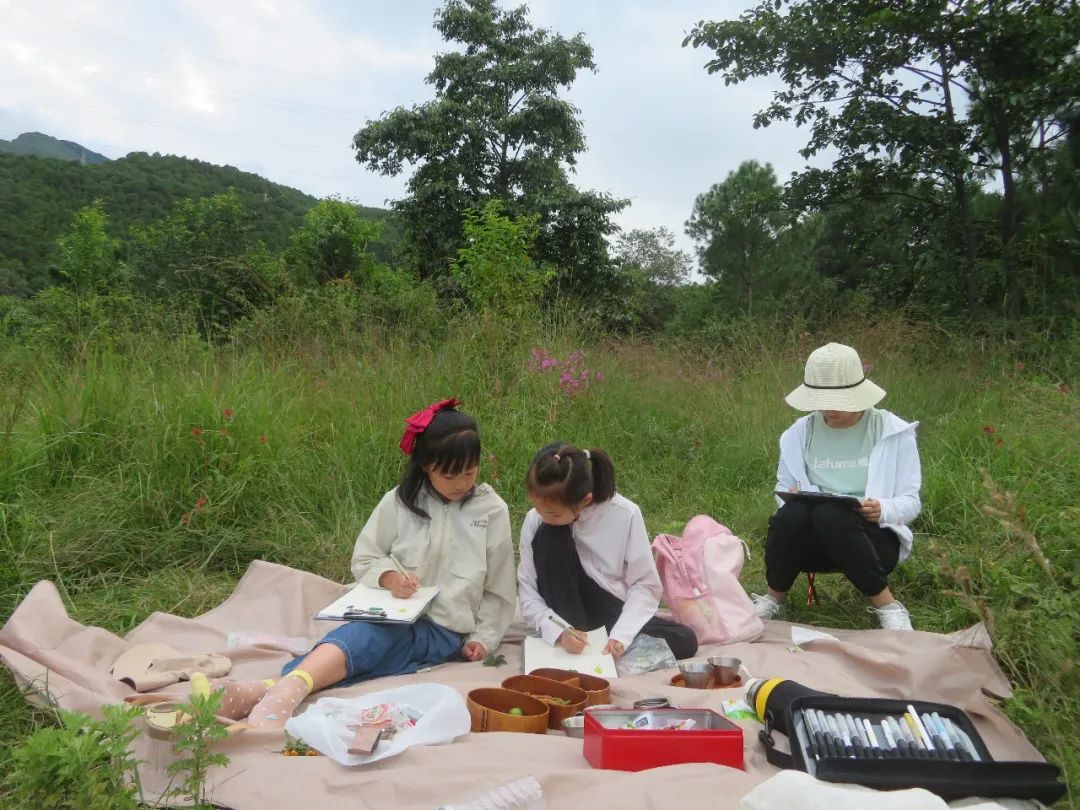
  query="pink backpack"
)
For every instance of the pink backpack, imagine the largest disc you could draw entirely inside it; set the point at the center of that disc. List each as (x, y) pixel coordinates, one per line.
(700, 575)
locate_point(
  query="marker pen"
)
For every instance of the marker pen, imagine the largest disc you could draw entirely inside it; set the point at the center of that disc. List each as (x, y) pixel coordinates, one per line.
(871, 737)
(894, 746)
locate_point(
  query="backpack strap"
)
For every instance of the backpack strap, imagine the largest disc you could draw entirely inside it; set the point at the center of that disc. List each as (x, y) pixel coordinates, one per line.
(777, 758)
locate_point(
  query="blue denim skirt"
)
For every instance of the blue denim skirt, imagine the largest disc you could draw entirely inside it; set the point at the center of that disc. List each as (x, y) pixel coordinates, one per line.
(377, 650)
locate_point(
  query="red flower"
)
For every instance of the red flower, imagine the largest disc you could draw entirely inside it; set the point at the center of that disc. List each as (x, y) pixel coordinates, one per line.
(199, 504)
(988, 430)
(196, 432)
(999, 440)
(263, 439)
(227, 413)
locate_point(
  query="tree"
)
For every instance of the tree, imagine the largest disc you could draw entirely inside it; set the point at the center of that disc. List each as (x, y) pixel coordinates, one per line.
(493, 265)
(652, 255)
(496, 129)
(655, 270)
(333, 243)
(943, 91)
(738, 225)
(86, 256)
(205, 254)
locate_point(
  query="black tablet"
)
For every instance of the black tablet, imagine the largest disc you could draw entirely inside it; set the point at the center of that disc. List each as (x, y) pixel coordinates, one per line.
(820, 497)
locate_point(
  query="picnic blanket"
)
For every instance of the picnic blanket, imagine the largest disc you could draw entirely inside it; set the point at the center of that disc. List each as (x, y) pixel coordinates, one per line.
(44, 647)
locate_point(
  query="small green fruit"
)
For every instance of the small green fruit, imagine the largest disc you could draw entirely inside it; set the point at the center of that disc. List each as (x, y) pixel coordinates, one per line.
(516, 712)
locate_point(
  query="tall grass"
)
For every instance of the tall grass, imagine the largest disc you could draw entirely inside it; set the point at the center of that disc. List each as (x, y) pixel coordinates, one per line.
(147, 477)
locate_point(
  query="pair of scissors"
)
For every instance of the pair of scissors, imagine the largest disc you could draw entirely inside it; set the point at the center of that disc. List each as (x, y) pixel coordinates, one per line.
(361, 613)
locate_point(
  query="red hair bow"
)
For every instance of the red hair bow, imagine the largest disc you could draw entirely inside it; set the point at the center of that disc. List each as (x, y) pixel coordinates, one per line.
(419, 421)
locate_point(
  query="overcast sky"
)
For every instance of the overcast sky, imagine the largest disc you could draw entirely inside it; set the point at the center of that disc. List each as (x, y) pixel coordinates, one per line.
(279, 88)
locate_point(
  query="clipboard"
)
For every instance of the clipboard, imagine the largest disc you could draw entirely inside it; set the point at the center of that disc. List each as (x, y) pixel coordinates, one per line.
(819, 497)
(378, 605)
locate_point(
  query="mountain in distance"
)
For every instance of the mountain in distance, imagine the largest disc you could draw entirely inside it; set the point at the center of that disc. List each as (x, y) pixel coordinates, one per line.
(40, 197)
(38, 144)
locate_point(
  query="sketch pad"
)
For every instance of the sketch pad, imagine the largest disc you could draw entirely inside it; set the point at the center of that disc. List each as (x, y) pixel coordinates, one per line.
(363, 598)
(538, 654)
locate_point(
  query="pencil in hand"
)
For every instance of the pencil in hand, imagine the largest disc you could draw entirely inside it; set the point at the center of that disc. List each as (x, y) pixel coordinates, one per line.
(412, 579)
(582, 637)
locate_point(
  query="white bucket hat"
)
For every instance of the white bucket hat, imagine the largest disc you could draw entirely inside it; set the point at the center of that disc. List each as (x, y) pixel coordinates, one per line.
(834, 381)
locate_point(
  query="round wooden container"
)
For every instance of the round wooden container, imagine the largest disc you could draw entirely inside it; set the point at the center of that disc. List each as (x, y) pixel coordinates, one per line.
(597, 690)
(545, 686)
(490, 711)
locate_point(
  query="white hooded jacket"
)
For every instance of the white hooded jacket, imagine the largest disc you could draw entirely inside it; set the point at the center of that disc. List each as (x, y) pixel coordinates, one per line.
(465, 549)
(894, 476)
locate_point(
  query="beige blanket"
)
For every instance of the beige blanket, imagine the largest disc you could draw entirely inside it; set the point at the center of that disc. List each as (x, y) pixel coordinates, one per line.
(43, 646)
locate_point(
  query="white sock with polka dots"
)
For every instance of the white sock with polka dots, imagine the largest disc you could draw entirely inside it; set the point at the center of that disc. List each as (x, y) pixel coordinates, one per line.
(281, 700)
(238, 698)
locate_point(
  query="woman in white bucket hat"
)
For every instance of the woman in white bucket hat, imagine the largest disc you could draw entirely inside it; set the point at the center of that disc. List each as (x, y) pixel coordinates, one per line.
(844, 446)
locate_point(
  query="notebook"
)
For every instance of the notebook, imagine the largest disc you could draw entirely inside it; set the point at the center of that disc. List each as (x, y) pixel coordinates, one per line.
(378, 605)
(538, 654)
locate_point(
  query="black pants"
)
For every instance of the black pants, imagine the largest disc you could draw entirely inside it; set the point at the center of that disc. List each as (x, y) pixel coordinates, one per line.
(575, 596)
(828, 537)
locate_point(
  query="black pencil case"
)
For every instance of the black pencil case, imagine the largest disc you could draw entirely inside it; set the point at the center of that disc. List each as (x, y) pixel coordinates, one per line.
(950, 779)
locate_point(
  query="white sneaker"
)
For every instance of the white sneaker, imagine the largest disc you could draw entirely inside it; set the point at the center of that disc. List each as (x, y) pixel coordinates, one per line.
(765, 606)
(893, 616)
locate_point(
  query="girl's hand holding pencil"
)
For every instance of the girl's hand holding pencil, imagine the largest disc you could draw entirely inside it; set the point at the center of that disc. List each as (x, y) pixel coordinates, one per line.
(573, 641)
(400, 583)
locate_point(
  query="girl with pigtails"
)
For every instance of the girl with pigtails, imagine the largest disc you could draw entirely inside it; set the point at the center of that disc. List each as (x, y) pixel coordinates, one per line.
(585, 559)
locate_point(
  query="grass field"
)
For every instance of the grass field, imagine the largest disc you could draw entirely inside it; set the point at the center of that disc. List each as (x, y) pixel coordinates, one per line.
(147, 477)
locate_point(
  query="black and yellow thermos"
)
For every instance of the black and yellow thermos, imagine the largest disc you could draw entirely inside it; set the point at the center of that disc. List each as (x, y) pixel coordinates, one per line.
(769, 697)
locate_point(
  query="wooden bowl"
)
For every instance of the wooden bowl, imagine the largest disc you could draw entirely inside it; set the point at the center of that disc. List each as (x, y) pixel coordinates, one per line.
(597, 690)
(490, 711)
(557, 712)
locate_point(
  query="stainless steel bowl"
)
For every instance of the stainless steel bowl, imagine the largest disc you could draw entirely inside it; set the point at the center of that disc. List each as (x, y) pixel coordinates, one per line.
(697, 674)
(726, 669)
(574, 726)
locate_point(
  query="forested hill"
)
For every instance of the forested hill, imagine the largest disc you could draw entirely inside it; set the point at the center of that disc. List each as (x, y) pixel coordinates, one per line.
(35, 143)
(38, 198)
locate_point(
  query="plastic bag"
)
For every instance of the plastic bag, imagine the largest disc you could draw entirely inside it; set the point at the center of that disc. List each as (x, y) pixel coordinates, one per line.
(329, 725)
(645, 654)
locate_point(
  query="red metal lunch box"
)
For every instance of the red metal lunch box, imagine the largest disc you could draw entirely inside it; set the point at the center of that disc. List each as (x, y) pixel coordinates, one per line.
(609, 745)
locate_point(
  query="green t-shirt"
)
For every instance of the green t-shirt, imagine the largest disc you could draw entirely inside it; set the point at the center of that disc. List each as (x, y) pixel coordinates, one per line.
(837, 459)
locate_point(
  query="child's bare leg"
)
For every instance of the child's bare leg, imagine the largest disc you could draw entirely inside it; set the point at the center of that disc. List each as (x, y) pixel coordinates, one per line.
(322, 667)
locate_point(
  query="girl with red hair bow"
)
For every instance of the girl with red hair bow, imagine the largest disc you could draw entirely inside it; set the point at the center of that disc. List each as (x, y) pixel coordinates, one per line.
(442, 529)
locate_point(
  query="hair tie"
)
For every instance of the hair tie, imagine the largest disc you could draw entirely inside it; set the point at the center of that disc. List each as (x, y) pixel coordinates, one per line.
(588, 455)
(416, 424)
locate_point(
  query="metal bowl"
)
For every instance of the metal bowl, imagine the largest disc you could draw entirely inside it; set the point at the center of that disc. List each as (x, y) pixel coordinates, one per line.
(697, 674)
(726, 669)
(574, 726)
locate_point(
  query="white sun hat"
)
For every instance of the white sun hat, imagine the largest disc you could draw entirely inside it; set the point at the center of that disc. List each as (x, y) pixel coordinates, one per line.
(834, 381)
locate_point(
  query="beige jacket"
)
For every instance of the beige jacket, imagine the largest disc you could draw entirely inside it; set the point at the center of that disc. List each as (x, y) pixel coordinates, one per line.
(464, 549)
